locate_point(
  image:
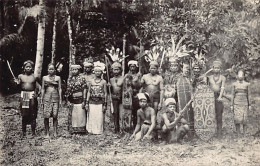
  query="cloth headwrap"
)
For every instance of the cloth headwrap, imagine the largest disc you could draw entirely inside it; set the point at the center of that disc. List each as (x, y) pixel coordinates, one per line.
(98, 66)
(217, 63)
(169, 101)
(154, 63)
(87, 64)
(75, 66)
(28, 61)
(133, 62)
(116, 65)
(144, 96)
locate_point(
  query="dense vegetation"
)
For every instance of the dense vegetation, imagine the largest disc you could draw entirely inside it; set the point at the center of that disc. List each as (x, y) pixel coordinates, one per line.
(229, 30)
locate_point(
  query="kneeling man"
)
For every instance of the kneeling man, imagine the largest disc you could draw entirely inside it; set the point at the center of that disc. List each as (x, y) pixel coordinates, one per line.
(174, 126)
(146, 119)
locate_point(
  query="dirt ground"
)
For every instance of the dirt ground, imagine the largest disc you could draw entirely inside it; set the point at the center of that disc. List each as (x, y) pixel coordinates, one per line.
(110, 149)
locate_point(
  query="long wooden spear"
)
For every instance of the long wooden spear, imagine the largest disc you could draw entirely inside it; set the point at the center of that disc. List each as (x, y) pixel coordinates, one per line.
(123, 62)
(109, 88)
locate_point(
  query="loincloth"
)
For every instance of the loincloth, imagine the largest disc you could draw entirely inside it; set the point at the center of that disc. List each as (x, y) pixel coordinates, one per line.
(28, 105)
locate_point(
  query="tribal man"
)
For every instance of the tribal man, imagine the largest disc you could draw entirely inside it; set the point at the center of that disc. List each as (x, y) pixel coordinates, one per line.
(217, 84)
(170, 78)
(152, 83)
(146, 120)
(28, 101)
(116, 84)
(174, 126)
(136, 77)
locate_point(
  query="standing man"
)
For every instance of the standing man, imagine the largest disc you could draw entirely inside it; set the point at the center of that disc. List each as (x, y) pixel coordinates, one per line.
(28, 100)
(217, 84)
(116, 84)
(136, 77)
(152, 83)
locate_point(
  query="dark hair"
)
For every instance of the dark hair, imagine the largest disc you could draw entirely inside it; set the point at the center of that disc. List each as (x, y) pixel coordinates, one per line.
(26, 62)
(51, 64)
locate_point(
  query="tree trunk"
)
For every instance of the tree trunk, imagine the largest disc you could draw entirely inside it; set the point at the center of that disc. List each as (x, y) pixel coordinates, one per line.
(71, 46)
(123, 62)
(54, 37)
(40, 41)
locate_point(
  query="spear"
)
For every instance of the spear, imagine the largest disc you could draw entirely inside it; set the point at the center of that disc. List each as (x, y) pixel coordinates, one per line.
(109, 88)
(10, 69)
(123, 62)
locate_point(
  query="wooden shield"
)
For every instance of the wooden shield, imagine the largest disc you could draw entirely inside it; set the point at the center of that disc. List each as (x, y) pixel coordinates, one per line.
(204, 112)
(127, 97)
(184, 91)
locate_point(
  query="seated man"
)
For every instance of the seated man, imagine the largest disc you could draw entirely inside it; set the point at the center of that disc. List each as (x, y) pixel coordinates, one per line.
(146, 119)
(173, 126)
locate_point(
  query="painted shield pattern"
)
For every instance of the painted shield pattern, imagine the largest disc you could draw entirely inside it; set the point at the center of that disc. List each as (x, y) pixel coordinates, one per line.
(184, 91)
(204, 112)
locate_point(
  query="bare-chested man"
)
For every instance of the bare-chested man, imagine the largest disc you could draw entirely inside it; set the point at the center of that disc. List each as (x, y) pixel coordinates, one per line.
(28, 101)
(116, 84)
(173, 125)
(217, 84)
(152, 83)
(146, 119)
(133, 65)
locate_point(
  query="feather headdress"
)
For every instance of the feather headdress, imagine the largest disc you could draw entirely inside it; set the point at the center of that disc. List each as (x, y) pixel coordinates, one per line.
(177, 50)
(115, 54)
(199, 59)
(99, 66)
(154, 53)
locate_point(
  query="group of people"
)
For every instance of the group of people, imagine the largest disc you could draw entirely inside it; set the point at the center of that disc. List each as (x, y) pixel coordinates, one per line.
(149, 104)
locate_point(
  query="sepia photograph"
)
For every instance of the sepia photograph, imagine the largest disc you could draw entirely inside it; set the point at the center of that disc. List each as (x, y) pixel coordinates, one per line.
(130, 82)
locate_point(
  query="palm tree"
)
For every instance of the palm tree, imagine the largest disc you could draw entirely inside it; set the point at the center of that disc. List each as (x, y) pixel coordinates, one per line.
(40, 41)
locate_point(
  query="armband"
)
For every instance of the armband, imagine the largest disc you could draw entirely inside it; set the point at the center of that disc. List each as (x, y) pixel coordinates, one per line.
(222, 88)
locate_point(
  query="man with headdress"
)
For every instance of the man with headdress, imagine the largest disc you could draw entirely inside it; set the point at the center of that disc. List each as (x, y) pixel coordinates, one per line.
(174, 126)
(76, 94)
(146, 119)
(152, 83)
(135, 84)
(217, 84)
(96, 102)
(170, 77)
(116, 91)
(28, 100)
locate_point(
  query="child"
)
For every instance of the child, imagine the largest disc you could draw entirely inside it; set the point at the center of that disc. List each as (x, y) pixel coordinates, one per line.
(240, 102)
(174, 126)
(51, 98)
(28, 101)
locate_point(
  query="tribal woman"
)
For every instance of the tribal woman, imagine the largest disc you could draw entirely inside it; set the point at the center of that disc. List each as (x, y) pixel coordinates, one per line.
(240, 103)
(51, 98)
(76, 92)
(96, 101)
